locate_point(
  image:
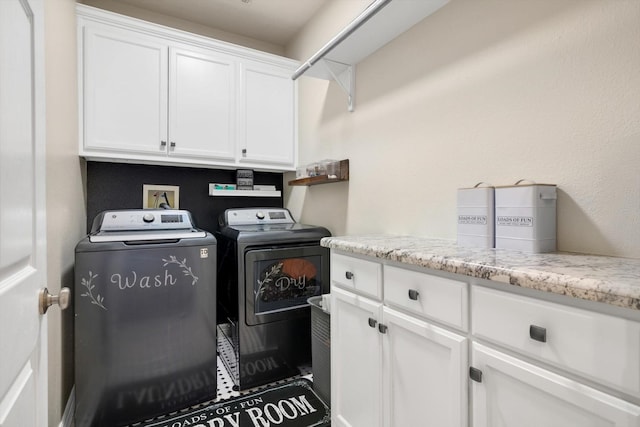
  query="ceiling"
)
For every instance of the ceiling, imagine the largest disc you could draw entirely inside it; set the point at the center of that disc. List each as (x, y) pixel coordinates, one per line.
(273, 21)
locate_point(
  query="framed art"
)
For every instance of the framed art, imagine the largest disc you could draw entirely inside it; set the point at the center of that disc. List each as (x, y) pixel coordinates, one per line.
(160, 196)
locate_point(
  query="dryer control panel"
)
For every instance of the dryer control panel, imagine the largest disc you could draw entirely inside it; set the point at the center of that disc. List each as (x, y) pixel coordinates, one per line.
(252, 216)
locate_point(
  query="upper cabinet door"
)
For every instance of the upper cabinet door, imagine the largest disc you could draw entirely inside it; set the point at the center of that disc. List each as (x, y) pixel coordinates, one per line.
(268, 114)
(202, 94)
(125, 91)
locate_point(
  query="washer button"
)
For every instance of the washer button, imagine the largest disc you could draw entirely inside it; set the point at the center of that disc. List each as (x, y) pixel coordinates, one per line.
(148, 217)
(260, 215)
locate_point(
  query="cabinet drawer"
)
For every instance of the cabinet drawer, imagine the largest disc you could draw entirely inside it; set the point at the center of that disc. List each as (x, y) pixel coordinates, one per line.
(600, 347)
(357, 274)
(430, 296)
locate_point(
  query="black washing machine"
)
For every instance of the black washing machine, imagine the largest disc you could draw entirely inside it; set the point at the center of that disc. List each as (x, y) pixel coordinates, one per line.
(145, 331)
(268, 266)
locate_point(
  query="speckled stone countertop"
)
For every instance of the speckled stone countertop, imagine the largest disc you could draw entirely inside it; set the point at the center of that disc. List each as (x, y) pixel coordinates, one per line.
(609, 280)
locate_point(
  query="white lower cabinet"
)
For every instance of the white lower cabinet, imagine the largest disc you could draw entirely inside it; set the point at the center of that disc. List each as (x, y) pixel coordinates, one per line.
(413, 348)
(390, 368)
(356, 360)
(518, 390)
(514, 393)
(424, 373)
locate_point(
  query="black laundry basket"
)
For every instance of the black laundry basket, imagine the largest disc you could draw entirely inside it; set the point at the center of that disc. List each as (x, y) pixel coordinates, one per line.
(320, 349)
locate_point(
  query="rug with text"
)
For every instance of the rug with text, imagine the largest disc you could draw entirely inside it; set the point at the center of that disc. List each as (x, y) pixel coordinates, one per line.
(293, 404)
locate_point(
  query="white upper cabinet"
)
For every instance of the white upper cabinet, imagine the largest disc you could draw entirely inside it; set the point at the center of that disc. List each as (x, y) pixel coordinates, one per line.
(125, 97)
(151, 94)
(268, 106)
(201, 104)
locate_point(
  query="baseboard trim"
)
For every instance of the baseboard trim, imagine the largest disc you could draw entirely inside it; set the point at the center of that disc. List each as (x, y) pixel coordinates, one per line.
(67, 416)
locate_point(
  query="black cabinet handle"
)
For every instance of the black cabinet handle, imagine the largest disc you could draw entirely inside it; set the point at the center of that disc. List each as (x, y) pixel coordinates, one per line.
(372, 322)
(348, 275)
(173, 144)
(163, 144)
(475, 374)
(413, 294)
(538, 333)
(382, 328)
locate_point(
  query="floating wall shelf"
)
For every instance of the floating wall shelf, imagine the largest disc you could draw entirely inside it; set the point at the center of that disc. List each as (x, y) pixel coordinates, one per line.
(243, 193)
(381, 22)
(324, 179)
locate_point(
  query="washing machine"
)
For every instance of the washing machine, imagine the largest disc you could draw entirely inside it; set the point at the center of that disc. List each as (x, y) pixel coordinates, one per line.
(145, 317)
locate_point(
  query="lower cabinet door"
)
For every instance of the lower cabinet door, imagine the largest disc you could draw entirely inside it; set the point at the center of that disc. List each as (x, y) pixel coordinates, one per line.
(425, 381)
(356, 360)
(514, 393)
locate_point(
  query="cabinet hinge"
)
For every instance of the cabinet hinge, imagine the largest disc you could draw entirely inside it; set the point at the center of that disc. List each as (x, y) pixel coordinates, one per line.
(475, 374)
(382, 328)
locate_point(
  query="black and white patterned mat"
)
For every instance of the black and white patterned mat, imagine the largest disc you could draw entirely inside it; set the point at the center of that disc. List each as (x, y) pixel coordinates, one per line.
(293, 404)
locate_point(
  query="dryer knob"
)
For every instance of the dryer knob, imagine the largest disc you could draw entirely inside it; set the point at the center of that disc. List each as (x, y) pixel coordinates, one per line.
(260, 215)
(148, 217)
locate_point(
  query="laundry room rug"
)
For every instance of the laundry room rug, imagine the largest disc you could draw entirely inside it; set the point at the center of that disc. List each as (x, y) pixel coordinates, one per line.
(293, 404)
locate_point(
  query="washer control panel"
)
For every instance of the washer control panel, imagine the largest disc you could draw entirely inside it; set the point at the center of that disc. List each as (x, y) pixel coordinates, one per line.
(146, 219)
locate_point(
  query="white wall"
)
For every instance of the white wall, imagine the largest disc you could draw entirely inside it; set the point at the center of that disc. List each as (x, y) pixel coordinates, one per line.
(493, 91)
(66, 218)
(181, 24)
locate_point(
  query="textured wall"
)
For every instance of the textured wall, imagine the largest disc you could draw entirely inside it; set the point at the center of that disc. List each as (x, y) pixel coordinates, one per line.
(181, 24)
(489, 91)
(65, 193)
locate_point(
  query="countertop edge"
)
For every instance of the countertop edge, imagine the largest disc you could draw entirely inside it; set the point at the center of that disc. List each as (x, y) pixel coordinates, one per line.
(541, 279)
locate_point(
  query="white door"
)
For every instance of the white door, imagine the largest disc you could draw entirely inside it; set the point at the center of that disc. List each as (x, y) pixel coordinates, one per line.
(514, 393)
(356, 361)
(202, 110)
(23, 350)
(425, 374)
(268, 114)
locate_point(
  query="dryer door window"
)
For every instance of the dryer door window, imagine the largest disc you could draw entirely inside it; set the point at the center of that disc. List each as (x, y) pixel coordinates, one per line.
(280, 280)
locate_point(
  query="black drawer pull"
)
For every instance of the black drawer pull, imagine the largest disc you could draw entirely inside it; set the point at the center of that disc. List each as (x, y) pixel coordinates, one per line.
(348, 275)
(372, 322)
(538, 333)
(475, 374)
(413, 294)
(382, 328)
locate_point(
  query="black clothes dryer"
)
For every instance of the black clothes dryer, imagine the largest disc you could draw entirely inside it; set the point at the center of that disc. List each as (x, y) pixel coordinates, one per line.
(268, 266)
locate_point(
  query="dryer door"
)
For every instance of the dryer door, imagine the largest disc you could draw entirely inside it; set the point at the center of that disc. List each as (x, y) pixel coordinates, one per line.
(278, 281)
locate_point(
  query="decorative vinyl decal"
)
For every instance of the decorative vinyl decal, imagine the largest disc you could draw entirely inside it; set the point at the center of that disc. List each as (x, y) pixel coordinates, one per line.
(134, 279)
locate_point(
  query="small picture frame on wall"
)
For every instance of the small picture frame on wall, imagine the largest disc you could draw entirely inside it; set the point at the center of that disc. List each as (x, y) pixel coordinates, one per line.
(160, 196)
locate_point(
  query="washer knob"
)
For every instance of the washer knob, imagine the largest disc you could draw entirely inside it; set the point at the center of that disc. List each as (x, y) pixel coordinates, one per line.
(148, 217)
(260, 215)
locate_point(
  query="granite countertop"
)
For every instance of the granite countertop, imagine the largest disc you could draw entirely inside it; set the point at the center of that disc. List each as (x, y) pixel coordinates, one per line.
(610, 280)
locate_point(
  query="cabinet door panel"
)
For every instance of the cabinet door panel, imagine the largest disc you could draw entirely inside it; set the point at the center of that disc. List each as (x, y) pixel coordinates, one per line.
(268, 115)
(514, 393)
(604, 348)
(202, 105)
(125, 96)
(424, 374)
(356, 361)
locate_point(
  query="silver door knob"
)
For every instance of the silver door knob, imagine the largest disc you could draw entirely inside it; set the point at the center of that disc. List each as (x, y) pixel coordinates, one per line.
(46, 300)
